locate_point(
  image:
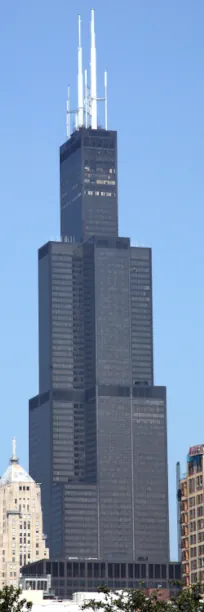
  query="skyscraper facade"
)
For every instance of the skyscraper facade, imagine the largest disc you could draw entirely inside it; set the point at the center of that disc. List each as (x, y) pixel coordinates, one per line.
(97, 428)
(191, 518)
(21, 526)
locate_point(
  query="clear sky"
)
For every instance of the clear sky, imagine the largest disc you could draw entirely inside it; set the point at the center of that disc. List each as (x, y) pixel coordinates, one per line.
(153, 51)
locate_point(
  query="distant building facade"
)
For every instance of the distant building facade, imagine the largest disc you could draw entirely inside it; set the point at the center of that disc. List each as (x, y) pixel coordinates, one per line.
(191, 511)
(86, 575)
(21, 526)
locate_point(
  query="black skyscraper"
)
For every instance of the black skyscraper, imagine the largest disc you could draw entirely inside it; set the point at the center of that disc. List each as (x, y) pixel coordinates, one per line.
(97, 429)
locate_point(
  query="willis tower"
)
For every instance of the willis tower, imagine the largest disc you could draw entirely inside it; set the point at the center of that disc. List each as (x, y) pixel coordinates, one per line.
(98, 427)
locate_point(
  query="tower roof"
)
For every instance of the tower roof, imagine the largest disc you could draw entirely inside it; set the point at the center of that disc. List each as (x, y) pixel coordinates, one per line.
(15, 473)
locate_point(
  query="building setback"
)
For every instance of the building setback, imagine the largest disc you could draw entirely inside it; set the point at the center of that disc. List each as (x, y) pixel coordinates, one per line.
(98, 427)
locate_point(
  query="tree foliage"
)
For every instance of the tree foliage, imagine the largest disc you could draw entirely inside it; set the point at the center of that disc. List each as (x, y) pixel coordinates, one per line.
(11, 600)
(132, 600)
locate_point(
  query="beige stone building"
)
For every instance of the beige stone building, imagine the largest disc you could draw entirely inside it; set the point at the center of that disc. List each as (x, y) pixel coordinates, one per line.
(21, 526)
(191, 515)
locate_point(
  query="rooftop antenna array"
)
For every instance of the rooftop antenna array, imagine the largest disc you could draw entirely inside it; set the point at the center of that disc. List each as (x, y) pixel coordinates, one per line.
(86, 112)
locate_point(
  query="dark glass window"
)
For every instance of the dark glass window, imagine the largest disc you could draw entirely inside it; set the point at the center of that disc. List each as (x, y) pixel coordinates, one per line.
(151, 573)
(137, 570)
(82, 570)
(110, 570)
(96, 570)
(41, 568)
(55, 569)
(163, 571)
(177, 572)
(69, 570)
(171, 572)
(123, 570)
(75, 570)
(130, 570)
(61, 569)
(143, 571)
(157, 571)
(116, 570)
(194, 578)
(103, 570)
(89, 570)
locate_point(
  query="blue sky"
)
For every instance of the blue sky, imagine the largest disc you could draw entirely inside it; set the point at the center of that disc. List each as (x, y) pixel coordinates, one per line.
(153, 52)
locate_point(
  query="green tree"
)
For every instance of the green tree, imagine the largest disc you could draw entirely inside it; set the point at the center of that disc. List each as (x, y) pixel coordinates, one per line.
(11, 600)
(132, 600)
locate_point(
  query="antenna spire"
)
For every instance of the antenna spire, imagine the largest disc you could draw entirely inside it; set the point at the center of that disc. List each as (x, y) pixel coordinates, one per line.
(13, 456)
(86, 99)
(93, 75)
(106, 99)
(80, 121)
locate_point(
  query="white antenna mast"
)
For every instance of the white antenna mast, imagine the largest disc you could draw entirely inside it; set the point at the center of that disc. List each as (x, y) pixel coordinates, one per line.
(86, 97)
(93, 75)
(14, 457)
(106, 98)
(80, 79)
(68, 115)
(14, 449)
